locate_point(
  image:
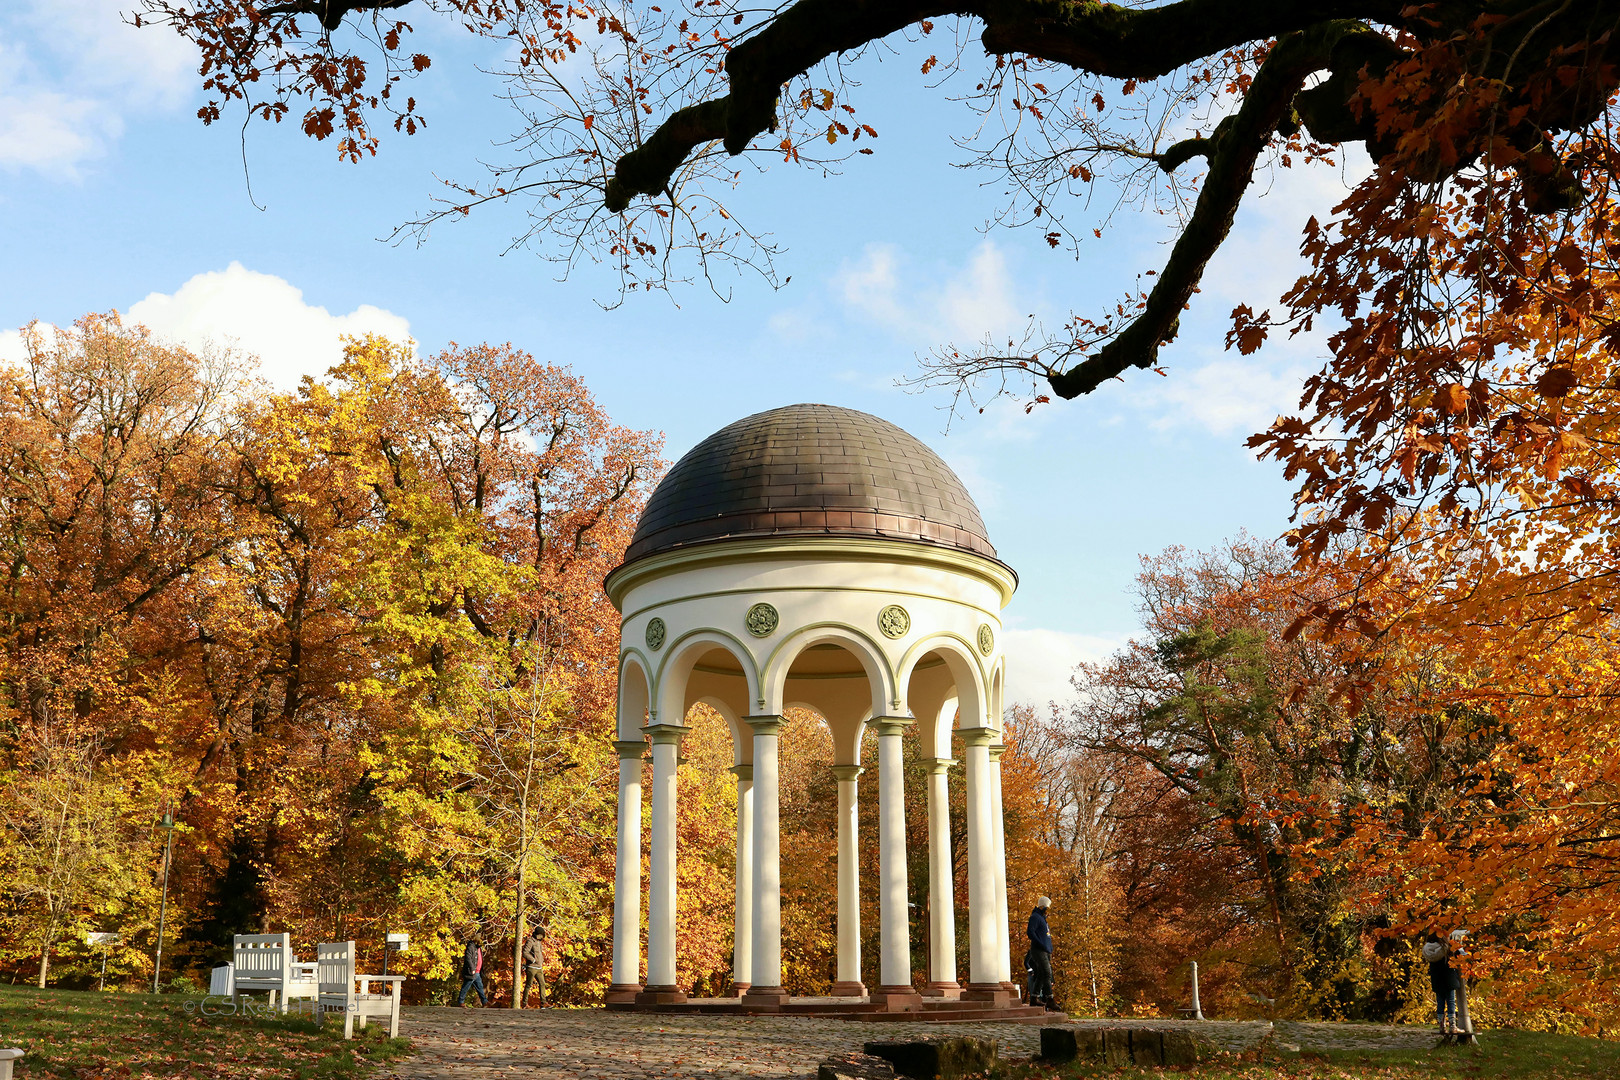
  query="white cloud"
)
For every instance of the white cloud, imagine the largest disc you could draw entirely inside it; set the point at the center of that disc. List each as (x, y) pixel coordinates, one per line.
(872, 285)
(1223, 391)
(978, 300)
(965, 305)
(1236, 395)
(1039, 663)
(262, 315)
(11, 347)
(72, 72)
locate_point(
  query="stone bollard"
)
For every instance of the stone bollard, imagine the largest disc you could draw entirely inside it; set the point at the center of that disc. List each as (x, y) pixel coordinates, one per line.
(938, 1058)
(6, 1058)
(1069, 1043)
(855, 1067)
(1122, 1046)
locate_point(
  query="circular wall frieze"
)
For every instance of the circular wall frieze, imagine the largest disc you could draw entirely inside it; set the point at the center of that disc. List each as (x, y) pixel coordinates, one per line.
(894, 621)
(987, 638)
(656, 632)
(762, 620)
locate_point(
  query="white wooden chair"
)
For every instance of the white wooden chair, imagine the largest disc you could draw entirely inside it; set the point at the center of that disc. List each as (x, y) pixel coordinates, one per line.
(343, 989)
(266, 962)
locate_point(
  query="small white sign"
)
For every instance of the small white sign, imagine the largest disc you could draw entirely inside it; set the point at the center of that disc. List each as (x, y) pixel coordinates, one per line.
(95, 938)
(399, 942)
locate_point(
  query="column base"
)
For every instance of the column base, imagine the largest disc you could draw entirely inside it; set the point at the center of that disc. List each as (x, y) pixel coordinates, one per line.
(622, 993)
(765, 998)
(738, 989)
(998, 996)
(897, 999)
(660, 995)
(848, 989)
(949, 990)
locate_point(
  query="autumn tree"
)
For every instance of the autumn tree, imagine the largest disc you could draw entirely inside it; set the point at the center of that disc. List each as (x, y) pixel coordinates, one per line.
(1305, 807)
(1062, 799)
(69, 847)
(1227, 728)
(283, 612)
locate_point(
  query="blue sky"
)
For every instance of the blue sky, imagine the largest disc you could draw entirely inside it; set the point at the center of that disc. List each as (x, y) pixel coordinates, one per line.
(112, 195)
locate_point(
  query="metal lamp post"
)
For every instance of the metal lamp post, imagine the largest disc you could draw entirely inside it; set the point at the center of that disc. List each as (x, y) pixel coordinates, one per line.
(167, 824)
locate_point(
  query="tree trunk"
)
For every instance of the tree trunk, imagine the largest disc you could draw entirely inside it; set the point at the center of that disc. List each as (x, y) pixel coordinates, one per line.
(518, 971)
(45, 958)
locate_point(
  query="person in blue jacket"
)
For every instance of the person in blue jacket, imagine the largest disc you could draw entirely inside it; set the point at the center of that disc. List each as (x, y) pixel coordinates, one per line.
(1039, 958)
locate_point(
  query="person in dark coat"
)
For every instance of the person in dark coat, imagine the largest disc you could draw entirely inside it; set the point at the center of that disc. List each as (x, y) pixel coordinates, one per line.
(1445, 980)
(1039, 958)
(472, 971)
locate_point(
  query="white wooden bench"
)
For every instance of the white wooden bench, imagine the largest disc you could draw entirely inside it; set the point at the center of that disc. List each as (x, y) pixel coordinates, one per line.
(6, 1058)
(266, 962)
(344, 990)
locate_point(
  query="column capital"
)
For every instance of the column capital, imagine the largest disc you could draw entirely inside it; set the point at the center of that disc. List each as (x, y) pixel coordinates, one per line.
(630, 748)
(666, 733)
(847, 772)
(939, 765)
(743, 773)
(996, 750)
(765, 724)
(982, 736)
(891, 725)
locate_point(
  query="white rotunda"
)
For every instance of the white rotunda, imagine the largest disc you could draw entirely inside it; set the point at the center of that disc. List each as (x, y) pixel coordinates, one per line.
(819, 557)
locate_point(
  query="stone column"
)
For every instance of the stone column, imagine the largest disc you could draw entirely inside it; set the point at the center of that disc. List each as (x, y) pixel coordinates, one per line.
(999, 821)
(984, 927)
(849, 888)
(627, 878)
(894, 970)
(661, 986)
(742, 946)
(941, 893)
(765, 990)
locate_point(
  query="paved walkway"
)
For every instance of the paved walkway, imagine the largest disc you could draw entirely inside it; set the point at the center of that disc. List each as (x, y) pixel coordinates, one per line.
(593, 1044)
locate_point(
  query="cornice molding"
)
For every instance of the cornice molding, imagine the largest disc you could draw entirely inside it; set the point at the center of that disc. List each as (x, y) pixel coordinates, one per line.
(994, 572)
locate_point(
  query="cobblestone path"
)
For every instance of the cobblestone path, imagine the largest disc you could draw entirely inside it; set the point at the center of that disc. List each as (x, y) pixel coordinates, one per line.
(593, 1044)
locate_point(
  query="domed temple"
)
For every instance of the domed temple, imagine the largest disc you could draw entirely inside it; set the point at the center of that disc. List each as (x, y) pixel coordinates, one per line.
(815, 557)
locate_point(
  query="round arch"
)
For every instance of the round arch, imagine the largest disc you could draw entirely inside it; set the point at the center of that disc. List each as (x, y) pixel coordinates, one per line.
(634, 696)
(972, 686)
(742, 741)
(880, 678)
(682, 655)
(998, 715)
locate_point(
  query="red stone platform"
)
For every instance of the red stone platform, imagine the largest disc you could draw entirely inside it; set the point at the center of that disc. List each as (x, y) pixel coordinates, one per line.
(927, 1010)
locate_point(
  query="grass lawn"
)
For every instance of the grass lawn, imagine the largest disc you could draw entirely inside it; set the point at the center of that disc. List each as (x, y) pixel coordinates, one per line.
(74, 1035)
(1502, 1055)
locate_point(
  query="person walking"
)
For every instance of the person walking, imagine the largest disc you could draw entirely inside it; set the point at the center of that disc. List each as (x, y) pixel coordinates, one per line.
(1445, 980)
(1040, 956)
(534, 964)
(472, 972)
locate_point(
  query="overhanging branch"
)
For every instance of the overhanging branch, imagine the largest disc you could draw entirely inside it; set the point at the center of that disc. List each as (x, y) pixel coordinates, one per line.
(1100, 38)
(1231, 167)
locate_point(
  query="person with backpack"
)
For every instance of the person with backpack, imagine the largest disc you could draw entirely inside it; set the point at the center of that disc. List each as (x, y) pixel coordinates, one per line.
(472, 971)
(1445, 980)
(1038, 961)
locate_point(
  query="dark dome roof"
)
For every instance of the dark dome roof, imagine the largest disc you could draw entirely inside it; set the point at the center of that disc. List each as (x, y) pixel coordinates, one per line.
(810, 470)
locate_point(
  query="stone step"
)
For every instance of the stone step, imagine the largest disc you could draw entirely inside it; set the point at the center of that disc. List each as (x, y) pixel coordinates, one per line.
(933, 1011)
